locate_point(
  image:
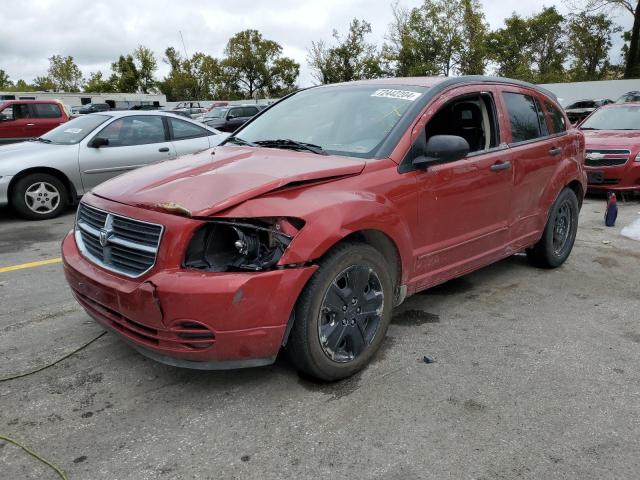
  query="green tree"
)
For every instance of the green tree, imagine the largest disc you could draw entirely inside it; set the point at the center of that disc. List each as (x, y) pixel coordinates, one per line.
(473, 52)
(548, 45)
(254, 63)
(4, 80)
(43, 83)
(438, 38)
(532, 49)
(352, 57)
(146, 67)
(589, 42)
(98, 84)
(64, 74)
(632, 52)
(125, 76)
(200, 77)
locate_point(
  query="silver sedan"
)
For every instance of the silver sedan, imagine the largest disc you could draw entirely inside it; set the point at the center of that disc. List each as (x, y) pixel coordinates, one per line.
(40, 178)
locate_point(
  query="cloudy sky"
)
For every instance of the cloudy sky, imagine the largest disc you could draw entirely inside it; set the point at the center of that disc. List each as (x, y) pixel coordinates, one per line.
(96, 32)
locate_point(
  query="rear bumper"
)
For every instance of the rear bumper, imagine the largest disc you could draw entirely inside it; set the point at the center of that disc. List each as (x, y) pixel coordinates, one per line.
(187, 318)
(623, 178)
(4, 190)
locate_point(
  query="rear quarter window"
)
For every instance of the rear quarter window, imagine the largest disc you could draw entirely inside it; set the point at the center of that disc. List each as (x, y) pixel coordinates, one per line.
(557, 118)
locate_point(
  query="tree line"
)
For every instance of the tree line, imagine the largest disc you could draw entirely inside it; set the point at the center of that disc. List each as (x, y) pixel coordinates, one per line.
(440, 37)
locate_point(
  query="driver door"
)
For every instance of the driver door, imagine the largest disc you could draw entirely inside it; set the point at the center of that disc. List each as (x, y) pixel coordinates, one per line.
(133, 141)
(463, 206)
(13, 122)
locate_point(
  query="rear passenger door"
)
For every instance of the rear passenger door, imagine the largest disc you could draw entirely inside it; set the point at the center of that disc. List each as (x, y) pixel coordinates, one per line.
(46, 116)
(187, 137)
(536, 153)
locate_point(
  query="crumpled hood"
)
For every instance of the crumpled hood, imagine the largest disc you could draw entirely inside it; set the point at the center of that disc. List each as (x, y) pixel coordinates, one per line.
(205, 183)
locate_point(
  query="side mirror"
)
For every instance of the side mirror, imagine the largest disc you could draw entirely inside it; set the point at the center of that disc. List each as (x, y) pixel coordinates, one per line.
(98, 142)
(441, 149)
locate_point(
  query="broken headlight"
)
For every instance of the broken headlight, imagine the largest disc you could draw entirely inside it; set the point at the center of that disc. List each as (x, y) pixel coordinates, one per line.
(241, 245)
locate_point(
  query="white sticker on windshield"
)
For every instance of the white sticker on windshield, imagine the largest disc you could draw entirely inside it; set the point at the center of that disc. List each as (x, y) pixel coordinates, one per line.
(73, 130)
(399, 94)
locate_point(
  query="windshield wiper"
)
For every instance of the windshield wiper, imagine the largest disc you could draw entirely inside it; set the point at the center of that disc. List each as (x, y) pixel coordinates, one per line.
(40, 139)
(240, 141)
(293, 144)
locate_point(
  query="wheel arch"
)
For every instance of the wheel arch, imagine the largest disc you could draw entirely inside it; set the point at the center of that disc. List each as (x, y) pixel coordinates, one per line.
(71, 189)
(577, 188)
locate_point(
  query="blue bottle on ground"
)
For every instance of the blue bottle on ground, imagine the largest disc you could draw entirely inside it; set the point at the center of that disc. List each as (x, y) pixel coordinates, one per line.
(611, 213)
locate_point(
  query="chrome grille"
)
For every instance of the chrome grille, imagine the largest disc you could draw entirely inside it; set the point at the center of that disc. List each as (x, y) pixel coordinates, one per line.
(606, 158)
(117, 243)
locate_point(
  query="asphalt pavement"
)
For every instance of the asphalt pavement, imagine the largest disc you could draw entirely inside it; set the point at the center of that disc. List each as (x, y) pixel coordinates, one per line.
(536, 376)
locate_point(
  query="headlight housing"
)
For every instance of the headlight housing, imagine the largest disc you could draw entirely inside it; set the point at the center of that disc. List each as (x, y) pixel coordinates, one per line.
(241, 244)
(637, 159)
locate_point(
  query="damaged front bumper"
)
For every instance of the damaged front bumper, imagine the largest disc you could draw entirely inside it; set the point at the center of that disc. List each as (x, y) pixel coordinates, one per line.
(187, 318)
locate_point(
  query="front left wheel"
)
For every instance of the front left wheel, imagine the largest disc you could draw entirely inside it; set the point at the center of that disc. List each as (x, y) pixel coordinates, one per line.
(39, 196)
(343, 313)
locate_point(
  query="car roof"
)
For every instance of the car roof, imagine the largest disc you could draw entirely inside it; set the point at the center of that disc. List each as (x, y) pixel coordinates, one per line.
(444, 82)
(57, 102)
(622, 105)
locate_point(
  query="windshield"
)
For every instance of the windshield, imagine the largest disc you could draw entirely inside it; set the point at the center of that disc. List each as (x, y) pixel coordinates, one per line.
(342, 120)
(217, 112)
(620, 118)
(75, 130)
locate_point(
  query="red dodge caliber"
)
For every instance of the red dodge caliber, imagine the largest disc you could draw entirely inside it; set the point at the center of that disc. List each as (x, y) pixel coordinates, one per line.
(317, 217)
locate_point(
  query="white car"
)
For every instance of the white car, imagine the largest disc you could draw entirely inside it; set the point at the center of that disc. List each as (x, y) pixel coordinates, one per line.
(39, 178)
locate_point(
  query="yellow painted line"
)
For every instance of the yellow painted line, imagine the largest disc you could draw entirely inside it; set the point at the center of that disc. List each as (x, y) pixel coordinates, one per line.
(39, 263)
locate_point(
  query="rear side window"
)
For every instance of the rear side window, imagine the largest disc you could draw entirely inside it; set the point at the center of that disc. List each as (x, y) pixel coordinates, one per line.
(523, 116)
(557, 119)
(183, 130)
(249, 111)
(47, 110)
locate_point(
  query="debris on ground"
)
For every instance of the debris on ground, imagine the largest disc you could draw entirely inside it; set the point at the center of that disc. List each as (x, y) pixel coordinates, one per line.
(611, 213)
(632, 230)
(428, 359)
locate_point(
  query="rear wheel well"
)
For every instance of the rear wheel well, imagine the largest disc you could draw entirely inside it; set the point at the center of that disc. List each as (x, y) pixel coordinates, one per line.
(576, 186)
(71, 190)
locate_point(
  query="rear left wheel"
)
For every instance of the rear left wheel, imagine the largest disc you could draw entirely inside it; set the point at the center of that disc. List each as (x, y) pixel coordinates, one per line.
(343, 313)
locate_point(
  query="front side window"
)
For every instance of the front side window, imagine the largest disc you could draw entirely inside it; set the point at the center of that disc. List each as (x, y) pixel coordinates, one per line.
(75, 130)
(47, 110)
(352, 120)
(183, 130)
(138, 130)
(470, 117)
(16, 111)
(557, 118)
(523, 117)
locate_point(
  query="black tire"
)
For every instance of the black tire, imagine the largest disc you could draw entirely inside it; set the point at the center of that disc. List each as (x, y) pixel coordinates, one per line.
(39, 196)
(559, 235)
(344, 263)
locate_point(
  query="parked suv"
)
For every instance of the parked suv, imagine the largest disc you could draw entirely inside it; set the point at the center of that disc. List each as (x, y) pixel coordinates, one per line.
(228, 119)
(612, 136)
(24, 119)
(318, 216)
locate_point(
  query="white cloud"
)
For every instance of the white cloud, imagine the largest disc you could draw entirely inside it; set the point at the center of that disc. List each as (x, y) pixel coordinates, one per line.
(95, 33)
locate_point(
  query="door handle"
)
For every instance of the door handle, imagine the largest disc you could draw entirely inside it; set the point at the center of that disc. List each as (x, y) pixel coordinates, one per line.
(496, 167)
(30, 124)
(555, 151)
(163, 149)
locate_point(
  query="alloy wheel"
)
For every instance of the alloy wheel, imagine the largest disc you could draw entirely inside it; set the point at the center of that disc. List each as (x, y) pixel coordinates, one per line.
(42, 198)
(350, 314)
